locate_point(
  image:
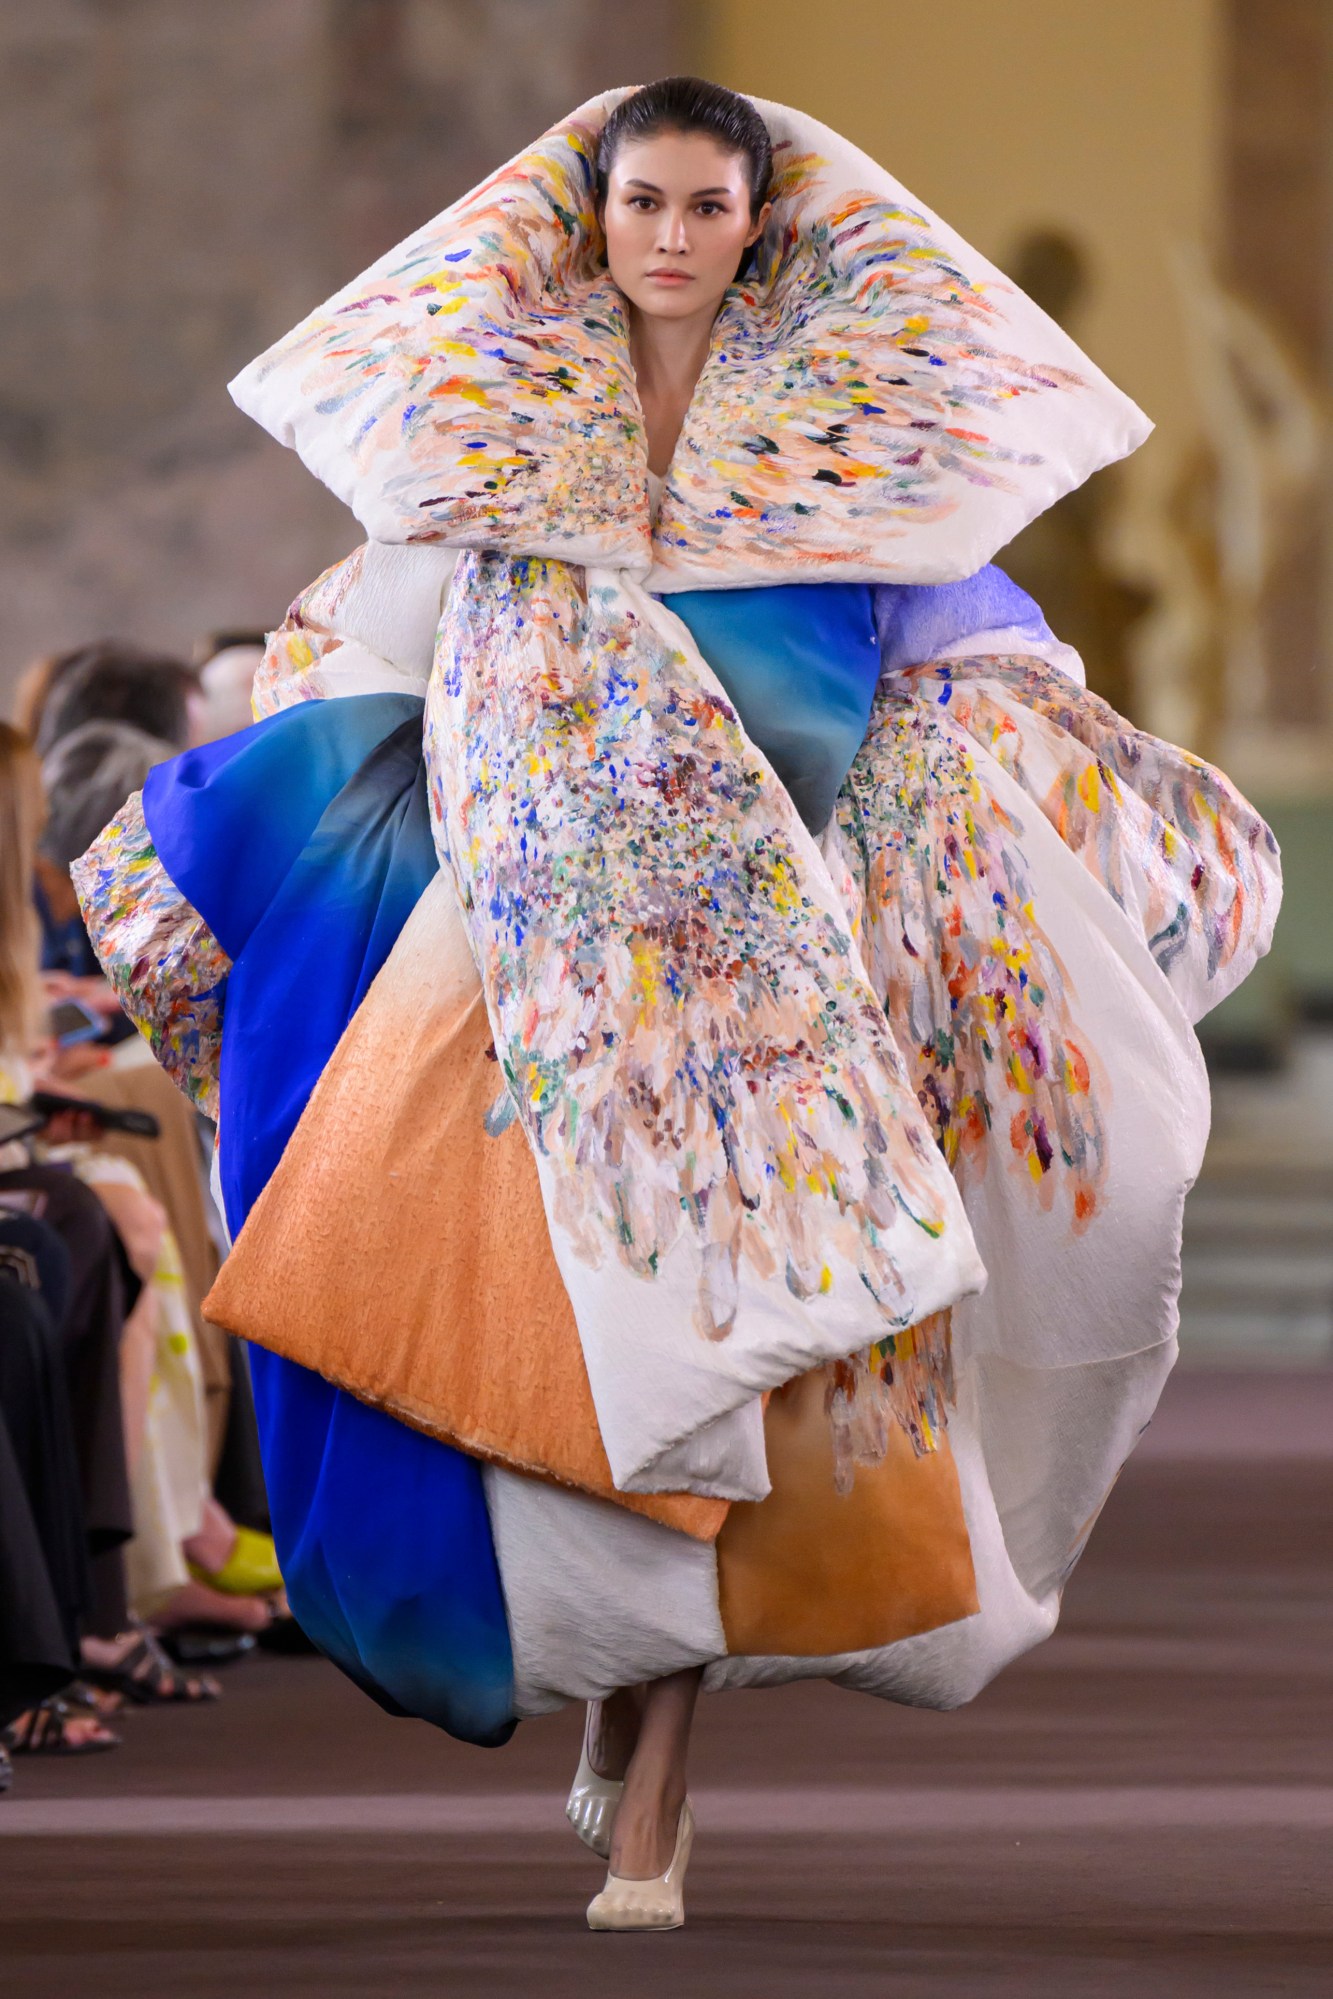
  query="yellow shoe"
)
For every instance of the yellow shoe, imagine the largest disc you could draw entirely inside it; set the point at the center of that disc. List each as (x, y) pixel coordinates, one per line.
(658, 1904)
(251, 1569)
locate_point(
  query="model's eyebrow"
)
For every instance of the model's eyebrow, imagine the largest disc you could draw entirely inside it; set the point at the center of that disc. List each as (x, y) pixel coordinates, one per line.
(698, 194)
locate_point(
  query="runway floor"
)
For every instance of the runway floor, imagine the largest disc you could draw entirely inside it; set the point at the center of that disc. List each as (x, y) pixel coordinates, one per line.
(1143, 1806)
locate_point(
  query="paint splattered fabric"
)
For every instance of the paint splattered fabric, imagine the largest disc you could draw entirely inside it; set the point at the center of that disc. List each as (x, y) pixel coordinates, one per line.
(879, 402)
(970, 980)
(847, 1147)
(679, 1012)
(617, 843)
(168, 969)
(1169, 838)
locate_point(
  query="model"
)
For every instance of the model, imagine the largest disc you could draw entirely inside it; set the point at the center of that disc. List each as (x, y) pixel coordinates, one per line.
(696, 993)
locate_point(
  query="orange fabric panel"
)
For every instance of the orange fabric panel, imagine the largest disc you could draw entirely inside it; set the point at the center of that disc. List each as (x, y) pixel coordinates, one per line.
(403, 1253)
(810, 1572)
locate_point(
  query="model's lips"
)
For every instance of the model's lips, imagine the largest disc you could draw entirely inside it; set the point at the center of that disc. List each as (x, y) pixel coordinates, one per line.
(672, 277)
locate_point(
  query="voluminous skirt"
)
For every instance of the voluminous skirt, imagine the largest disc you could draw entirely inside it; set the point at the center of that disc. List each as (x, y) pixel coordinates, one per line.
(1043, 899)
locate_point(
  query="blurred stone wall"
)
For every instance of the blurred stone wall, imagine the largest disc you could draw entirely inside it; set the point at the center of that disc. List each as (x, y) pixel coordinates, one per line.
(182, 183)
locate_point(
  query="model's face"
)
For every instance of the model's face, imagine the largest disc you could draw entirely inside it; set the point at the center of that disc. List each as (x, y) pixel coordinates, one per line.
(677, 221)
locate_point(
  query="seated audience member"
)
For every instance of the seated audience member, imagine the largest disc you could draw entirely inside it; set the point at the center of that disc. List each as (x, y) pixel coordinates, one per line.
(88, 776)
(132, 1375)
(112, 681)
(44, 1581)
(83, 1285)
(112, 699)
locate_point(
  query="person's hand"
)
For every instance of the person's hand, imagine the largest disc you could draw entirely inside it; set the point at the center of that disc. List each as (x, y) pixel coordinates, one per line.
(66, 1065)
(51, 1070)
(71, 1128)
(92, 990)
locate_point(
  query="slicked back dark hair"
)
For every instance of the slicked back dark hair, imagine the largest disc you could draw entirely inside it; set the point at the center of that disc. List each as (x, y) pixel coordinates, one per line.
(689, 104)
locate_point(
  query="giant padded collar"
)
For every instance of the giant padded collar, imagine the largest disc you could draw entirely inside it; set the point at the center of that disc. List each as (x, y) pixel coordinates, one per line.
(879, 403)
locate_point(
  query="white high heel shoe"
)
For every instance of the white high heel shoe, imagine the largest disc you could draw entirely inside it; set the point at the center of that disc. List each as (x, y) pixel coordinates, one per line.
(658, 1904)
(593, 1801)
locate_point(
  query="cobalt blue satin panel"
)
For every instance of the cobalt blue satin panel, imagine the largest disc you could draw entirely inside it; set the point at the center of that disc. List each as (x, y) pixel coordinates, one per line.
(385, 1545)
(800, 662)
(304, 843)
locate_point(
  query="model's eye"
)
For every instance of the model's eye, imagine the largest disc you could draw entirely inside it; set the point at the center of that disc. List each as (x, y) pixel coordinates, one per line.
(641, 201)
(711, 208)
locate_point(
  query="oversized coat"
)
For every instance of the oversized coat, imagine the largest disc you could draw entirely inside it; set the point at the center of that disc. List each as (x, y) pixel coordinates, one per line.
(672, 1234)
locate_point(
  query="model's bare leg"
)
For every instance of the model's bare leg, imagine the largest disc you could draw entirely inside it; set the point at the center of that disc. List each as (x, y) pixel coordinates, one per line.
(644, 1836)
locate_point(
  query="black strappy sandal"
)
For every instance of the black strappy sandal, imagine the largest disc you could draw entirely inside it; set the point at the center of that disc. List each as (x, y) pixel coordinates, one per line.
(92, 1700)
(45, 1731)
(148, 1676)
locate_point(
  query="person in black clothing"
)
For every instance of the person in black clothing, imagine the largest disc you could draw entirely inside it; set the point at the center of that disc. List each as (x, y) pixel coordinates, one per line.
(44, 1572)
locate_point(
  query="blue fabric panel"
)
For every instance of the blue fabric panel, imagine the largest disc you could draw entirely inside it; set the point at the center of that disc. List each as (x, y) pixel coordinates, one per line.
(916, 621)
(259, 795)
(304, 843)
(312, 954)
(386, 1550)
(800, 662)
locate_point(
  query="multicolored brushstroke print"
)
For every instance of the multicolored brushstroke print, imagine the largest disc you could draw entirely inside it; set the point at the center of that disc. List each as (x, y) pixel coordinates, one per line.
(1167, 835)
(906, 1379)
(168, 970)
(479, 382)
(487, 369)
(684, 1024)
(848, 391)
(975, 994)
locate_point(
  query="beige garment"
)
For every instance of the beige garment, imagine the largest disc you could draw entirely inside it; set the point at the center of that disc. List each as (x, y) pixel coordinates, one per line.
(170, 1169)
(168, 1476)
(171, 1475)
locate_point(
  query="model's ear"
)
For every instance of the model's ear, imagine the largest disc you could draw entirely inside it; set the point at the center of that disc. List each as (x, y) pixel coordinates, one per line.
(759, 224)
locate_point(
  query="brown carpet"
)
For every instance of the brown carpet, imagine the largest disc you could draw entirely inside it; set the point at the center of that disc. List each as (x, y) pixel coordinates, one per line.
(1144, 1806)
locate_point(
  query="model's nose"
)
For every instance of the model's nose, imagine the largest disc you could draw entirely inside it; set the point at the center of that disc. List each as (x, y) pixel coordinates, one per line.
(673, 235)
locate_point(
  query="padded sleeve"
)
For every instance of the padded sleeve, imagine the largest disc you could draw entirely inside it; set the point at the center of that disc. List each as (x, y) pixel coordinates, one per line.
(167, 968)
(366, 626)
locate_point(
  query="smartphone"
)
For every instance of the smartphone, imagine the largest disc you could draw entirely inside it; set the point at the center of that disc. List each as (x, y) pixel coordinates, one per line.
(135, 1124)
(19, 1121)
(70, 1021)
